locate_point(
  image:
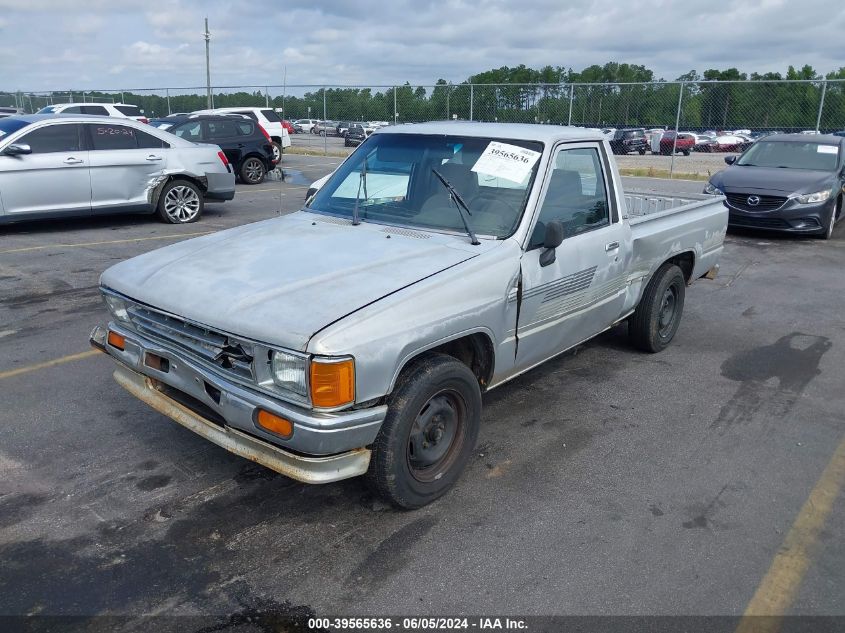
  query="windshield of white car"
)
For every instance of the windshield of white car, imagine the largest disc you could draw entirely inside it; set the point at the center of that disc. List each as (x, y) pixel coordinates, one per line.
(403, 190)
(791, 155)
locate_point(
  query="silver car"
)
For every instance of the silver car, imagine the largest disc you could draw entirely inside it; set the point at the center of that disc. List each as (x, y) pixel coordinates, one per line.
(61, 165)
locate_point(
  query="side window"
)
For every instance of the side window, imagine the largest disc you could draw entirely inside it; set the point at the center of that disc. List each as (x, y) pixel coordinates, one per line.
(98, 110)
(105, 136)
(72, 110)
(189, 131)
(148, 141)
(576, 195)
(245, 128)
(53, 138)
(221, 129)
(271, 116)
(249, 113)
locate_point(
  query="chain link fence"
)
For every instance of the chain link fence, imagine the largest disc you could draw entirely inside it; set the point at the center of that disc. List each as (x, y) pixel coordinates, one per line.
(720, 108)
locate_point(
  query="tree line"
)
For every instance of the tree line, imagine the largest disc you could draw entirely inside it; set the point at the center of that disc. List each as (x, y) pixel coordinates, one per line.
(598, 96)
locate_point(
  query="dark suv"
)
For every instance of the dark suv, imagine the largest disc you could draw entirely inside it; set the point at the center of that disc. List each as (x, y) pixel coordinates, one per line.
(630, 140)
(245, 143)
(355, 135)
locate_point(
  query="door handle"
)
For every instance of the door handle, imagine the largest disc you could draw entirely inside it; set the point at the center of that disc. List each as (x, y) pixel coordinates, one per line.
(70, 160)
(612, 246)
(153, 157)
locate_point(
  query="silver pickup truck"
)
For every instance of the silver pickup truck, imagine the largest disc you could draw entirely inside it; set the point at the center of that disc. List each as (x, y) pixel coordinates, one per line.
(439, 261)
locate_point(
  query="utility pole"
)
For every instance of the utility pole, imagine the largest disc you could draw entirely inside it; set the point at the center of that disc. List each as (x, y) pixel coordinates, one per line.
(207, 36)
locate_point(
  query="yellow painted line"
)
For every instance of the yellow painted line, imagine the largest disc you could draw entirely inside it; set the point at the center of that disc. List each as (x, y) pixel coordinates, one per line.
(777, 591)
(50, 363)
(134, 239)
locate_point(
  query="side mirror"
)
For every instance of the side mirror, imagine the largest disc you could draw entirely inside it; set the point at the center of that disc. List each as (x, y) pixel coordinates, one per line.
(16, 149)
(553, 239)
(730, 160)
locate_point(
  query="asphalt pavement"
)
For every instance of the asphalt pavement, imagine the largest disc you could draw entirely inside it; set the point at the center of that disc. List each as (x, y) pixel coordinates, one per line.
(607, 481)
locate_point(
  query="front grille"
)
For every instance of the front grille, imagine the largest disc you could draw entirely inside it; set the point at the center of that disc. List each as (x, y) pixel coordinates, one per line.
(766, 203)
(231, 355)
(735, 219)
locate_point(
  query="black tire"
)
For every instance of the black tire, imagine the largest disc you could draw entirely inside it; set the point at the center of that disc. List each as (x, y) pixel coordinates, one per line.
(346, 143)
(642, 152)
(655, 321)
(252, 170)
(436, 399)
(686, 152)
(180, 202)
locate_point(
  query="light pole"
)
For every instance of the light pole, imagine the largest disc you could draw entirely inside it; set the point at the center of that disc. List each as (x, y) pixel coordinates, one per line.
(207, 36)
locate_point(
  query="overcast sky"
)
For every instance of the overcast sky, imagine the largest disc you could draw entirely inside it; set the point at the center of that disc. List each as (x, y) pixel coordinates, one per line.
(58, 44)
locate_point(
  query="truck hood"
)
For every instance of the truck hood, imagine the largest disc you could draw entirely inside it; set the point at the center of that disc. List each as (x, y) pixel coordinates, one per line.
(282, 280)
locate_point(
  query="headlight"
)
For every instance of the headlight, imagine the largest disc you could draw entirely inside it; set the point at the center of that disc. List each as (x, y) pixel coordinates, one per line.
(289, 372)
(713, 190)
(117, 307)
(809, 198)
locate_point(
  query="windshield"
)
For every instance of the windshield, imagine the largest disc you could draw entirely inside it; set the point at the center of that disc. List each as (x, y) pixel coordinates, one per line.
(493, 176)
(793, 155)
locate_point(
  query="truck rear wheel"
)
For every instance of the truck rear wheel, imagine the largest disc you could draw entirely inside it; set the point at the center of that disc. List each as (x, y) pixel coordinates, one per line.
(428, 436)
(653, 325)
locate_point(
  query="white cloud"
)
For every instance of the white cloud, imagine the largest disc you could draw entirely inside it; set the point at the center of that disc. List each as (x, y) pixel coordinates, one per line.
(160, 42)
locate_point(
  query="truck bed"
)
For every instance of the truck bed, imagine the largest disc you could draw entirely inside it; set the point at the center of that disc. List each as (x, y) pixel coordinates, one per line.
(664, 225)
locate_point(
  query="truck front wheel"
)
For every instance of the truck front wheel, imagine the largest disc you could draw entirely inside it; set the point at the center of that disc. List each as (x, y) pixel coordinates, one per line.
(428, 436)
(653, 325)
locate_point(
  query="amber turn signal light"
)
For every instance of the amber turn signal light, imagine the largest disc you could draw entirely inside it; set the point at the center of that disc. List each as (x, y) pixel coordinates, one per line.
(116, 340)
(274, 423)
(332, 382)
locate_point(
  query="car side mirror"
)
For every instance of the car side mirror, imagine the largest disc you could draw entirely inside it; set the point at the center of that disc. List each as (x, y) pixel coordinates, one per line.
(16, 149)
(730, 160)
(553, 239)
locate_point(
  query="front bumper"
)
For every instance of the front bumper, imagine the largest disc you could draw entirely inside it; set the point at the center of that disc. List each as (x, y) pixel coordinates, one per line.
(323, 447)
(792, 217)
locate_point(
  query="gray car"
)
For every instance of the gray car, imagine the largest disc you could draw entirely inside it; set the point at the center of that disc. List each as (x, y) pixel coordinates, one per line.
(72, 165)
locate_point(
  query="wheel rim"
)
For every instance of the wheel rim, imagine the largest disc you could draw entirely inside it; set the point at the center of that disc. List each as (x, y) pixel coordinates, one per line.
(181, 203)
(253, 170)
(668, 308)
(277, 153)
(437, 435)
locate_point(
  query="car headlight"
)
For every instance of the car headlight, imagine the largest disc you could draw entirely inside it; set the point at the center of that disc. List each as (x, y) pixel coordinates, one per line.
(117, 308)
(713, 190)
(809, 198)
(290, 372)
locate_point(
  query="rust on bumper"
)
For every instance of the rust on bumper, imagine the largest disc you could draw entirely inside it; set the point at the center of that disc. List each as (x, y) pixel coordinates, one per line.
(312, 470)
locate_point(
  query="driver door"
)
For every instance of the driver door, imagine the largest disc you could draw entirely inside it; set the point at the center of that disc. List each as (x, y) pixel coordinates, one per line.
(582, 291)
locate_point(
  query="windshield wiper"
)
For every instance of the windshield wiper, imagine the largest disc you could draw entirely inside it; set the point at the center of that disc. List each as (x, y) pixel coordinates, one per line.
(459, 203)
(362, 180)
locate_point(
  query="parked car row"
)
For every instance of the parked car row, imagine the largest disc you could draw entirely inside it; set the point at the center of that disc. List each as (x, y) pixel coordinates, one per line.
(334, 128)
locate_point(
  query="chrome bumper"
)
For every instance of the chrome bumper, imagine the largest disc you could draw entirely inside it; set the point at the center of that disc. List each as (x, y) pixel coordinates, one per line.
(328, 447)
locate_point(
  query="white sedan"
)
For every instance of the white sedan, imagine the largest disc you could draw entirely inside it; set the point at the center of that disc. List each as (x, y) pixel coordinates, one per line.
(65, 165)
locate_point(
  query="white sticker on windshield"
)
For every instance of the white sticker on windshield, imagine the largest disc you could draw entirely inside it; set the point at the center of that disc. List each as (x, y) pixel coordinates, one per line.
(510, 162)
(827, 149)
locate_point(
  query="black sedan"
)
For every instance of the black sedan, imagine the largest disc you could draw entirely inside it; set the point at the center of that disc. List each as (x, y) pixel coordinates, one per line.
(245, 143)
(785, 182)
